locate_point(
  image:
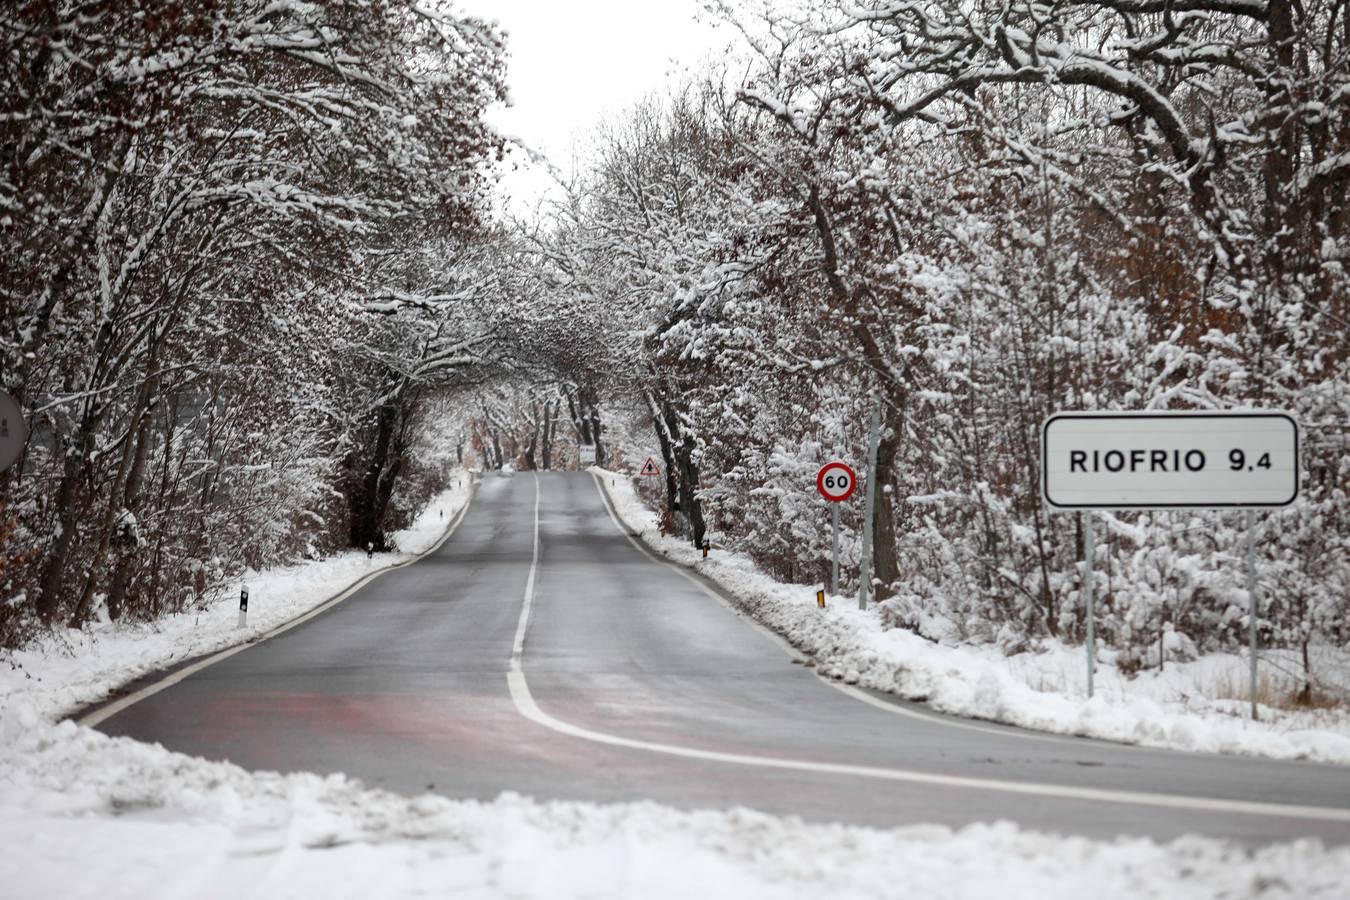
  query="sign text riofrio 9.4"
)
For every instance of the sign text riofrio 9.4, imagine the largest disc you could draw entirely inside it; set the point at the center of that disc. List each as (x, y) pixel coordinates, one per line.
(1195, 460)
(1240, 459)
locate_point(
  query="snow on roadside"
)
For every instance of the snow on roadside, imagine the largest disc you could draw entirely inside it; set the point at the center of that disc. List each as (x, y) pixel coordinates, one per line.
(62, 672)
(86, 815)
(83, 814)
(1034, 690)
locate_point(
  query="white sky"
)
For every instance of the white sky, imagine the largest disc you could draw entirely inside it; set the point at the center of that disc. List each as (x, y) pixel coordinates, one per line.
(571, 64)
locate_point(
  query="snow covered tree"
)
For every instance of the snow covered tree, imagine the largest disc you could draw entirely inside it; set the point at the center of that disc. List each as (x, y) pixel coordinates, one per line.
(197, 201)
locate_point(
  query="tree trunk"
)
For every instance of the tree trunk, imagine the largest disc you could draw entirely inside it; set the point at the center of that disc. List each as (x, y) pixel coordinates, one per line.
(48, 603)
(682, 475)
(533, 445)
(886, 565)
(370, 501)
(591, 414)
(667, 451)
(131, 501)
(550, 429)
(585, 414)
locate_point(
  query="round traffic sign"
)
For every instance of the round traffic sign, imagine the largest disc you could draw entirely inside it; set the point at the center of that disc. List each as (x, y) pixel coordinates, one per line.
(13, 431)
(836, 482)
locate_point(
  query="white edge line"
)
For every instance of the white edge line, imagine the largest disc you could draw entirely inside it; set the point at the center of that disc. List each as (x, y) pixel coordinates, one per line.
(779, 641)
(105, 712)
(518, 645)
(525, 704)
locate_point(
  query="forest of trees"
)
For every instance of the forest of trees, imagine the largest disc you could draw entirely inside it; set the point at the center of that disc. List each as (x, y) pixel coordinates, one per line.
(982, 214)
(243, 250)
(248, 251)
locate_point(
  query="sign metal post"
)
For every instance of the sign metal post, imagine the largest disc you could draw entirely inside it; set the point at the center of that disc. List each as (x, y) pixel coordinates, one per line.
(1088, 585)
(1251, 601)
(836, 482)
(834, 548)
(865, 574)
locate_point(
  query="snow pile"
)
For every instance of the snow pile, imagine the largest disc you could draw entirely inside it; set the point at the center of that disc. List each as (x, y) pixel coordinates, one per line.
(1043, 690)
(86, 815)
(63, 672)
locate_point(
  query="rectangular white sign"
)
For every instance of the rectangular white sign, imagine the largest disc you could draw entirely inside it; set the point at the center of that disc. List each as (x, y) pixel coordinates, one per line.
(586, 454)
(1169, 460)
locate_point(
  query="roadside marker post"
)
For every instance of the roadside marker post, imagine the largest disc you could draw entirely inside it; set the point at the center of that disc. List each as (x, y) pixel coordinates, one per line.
(1240, 459)
(707, 545)
(820, 598)
(243, 606)
(836, 482)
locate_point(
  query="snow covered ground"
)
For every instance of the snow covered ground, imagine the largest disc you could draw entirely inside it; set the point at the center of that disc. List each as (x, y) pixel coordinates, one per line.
(66, 671)
(85, 815)
(1043, 690)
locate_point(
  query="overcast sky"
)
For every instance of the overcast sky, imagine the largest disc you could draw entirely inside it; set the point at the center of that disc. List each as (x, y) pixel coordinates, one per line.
(572, 62)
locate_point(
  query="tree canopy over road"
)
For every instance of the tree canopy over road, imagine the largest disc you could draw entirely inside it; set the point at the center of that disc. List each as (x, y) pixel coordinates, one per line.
(250, 260)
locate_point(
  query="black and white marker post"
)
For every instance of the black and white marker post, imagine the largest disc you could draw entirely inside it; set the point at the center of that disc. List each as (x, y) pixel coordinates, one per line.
(1243, 459)
(243, 606)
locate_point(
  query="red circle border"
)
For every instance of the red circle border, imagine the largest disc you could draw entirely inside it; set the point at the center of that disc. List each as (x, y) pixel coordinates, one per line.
(829, 467)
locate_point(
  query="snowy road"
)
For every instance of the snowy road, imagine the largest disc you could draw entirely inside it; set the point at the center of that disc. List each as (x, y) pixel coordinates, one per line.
(541, 651)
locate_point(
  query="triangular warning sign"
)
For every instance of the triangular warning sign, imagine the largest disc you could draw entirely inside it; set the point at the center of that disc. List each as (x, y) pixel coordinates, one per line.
(650, 468)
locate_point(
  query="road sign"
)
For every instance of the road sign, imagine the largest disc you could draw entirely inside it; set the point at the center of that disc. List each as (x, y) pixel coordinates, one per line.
(1177, 460)
(836, 482)
(586, 454)
(1168, 460)
(650, 468)
(13, 431)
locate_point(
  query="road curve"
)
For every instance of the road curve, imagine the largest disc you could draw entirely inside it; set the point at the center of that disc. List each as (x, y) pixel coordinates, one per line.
(541, 651)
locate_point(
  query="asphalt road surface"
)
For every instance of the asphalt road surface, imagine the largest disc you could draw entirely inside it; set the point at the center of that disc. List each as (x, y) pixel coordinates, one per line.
(540, 650)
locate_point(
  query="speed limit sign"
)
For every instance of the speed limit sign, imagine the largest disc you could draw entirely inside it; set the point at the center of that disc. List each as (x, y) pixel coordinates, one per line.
(836, 482)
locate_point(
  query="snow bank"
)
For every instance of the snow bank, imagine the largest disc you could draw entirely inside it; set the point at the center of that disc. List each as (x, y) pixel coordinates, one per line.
(1035, 690)
(86, 815)
(63, 672)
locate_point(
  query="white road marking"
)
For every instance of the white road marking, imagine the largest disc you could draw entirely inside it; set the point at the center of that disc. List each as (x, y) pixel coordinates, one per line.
(779, 641)
(525, 704)
(112, 709)
(518, 646)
